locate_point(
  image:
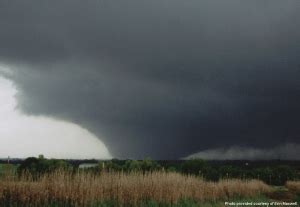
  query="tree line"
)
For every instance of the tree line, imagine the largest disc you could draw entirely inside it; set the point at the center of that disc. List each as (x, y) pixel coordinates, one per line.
(273, 175)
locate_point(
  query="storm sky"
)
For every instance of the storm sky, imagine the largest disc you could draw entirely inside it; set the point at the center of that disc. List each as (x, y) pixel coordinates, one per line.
(160, 78)
(24, 136)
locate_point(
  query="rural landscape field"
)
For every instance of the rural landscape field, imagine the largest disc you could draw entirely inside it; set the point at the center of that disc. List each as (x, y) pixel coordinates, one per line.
(42, 182)
(149, 103)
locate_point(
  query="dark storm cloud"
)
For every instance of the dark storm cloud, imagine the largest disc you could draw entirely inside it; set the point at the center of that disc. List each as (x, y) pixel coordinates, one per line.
(159, 78)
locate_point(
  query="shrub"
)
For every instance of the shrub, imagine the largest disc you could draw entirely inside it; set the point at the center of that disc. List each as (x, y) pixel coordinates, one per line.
(293, 186)
(39, 166)
(194, 167)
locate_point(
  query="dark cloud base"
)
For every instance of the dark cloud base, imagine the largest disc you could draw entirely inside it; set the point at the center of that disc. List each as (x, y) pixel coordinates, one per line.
(159, 78)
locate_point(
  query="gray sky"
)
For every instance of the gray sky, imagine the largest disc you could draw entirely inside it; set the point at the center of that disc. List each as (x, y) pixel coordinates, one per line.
(161, 78)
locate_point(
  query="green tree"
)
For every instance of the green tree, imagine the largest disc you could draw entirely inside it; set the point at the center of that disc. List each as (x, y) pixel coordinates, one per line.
(38, 166)
(194, 166)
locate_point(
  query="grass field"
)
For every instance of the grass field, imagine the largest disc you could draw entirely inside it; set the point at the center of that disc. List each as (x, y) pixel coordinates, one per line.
(150, 189)
(123, 189)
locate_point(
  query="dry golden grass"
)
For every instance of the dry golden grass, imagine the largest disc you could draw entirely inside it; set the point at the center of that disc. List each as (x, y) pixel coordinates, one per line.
(82, 189)
(293, 186)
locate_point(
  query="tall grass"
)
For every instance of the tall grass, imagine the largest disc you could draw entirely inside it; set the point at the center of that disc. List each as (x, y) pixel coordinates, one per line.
(293, 186)
(84, 189)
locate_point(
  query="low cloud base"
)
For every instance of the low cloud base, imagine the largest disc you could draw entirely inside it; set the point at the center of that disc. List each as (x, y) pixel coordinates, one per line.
(289, 151)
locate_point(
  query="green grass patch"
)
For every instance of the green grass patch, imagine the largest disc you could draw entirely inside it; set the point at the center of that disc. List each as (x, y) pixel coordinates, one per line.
(8, 169)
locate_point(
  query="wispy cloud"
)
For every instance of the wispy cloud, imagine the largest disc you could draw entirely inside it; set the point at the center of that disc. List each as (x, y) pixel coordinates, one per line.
(289, 151)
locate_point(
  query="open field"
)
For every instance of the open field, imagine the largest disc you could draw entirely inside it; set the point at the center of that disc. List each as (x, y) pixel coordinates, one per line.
(41, 182)
(124, 189)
